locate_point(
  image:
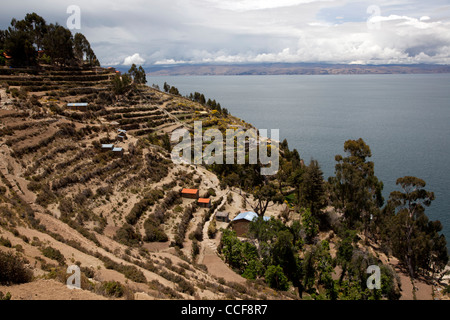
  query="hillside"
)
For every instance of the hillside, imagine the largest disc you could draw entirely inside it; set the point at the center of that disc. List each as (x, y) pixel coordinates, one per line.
(65, 200)
(61, 190)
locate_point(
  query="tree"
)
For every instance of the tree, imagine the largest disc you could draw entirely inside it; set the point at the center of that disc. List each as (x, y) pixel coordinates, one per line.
(24, 38)
(37, 27)
(276, 279)
(83, 51)
(310, 225)
(416, 241)
(18, 43)
(355, 189)
(137, 74)
(58, 44)
(263, 196)
(121, 83)
(166, 87)
(345, 252)
(318, 269)
(312, 189)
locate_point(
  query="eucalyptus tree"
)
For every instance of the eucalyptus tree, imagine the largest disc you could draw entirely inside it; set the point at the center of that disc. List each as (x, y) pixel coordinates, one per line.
(415, 240)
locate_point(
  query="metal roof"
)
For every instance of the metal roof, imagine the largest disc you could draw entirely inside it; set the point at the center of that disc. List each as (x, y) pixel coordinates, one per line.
(204, 200)
(222, 214)
(117, 150)
(81, 104)
(249, 216)
(107, 146)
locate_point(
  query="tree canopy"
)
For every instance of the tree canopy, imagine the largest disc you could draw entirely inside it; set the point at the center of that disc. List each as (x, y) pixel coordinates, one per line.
(32, 41)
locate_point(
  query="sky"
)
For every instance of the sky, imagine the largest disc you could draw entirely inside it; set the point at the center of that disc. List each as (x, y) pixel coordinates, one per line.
(166, 32)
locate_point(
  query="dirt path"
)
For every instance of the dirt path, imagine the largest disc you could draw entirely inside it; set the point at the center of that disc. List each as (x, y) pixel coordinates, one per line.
(218, 268)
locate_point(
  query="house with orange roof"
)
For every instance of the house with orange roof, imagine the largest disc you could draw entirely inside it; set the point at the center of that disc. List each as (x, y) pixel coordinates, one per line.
(190, 193)
(204, 202)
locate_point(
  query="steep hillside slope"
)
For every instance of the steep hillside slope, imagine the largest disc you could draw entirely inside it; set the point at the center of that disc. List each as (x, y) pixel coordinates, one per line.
(66, 200)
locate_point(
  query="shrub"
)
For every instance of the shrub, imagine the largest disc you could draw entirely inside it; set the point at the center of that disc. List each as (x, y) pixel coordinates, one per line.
(182, 227)
(66, 208)
(5, 242)
(195, 249)
(113, 289)
(134, 274)
(4, 297)
(127, 235)
(153, 231)
(211, 192)
(212, 229)
(276, 279)
(54, 254)
(230, 198)
(46, 196)
(138, 210)
(13, 269)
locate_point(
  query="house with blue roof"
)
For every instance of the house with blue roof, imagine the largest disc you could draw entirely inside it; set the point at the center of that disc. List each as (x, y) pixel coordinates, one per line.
(241, 223)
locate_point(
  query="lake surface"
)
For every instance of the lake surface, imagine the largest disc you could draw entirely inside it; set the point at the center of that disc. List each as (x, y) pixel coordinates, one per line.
(405, 119)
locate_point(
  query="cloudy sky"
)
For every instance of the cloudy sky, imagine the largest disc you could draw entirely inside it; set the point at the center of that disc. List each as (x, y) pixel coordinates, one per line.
(250, 31)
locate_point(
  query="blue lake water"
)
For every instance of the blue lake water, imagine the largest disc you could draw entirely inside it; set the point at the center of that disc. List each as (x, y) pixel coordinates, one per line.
(405, 119)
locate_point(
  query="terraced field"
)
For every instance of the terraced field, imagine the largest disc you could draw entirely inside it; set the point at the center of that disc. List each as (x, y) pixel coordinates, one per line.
(118, 216)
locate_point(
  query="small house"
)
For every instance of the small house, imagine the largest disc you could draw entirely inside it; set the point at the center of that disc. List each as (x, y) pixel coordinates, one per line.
(204, 202)
(77, 106)
(107, 146)
(121, 137)
(117, 152)
(241, 224)
(189, 193)
(222, 216)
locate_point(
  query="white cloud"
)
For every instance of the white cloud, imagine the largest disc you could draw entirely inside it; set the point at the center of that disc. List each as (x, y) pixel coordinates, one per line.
(246, 31)
(251, 5)
(169, 62)
(134, 59)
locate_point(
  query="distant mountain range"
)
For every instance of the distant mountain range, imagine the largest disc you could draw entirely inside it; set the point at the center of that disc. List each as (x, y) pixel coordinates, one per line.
(293, 69)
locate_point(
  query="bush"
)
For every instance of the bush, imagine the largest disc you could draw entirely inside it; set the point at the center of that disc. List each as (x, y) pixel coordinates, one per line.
(113, 289)
(276, 279)
(54, 254)
(153, 231)
(138, 210)
(127, 235)
(212, 229)
(195, 249)
(5, 242)
(46, 196)
(211, 192)
(134, 274)
(13, 269)
(182, 227)
(4, 297)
